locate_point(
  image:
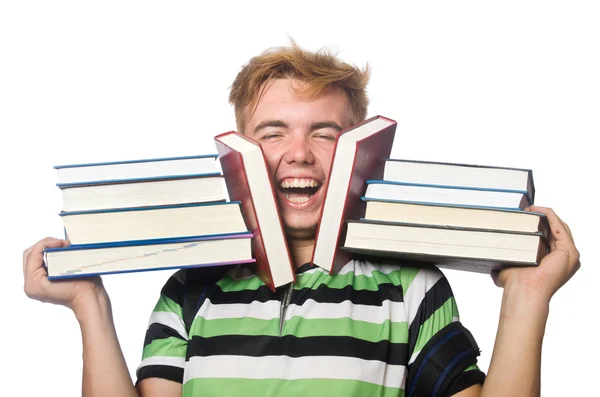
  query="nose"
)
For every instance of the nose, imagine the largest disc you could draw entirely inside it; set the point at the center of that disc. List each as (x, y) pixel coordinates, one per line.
(299, 151)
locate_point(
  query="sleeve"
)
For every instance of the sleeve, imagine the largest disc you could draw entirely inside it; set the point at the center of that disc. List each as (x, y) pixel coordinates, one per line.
(431, 308)
(166, 340)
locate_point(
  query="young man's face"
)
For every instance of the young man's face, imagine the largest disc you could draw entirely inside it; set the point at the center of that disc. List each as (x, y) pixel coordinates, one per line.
(297, 136)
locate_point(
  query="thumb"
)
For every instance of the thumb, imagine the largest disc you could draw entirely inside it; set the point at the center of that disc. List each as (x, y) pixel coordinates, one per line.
(495, 274)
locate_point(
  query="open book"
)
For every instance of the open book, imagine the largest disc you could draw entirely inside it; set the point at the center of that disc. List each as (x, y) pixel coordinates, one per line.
(359, 155)
(248, 181)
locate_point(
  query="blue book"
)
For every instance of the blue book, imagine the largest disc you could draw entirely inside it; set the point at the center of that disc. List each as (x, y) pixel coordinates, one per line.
(134, 169)
(84, 260)
(447, 195)
(148, 223)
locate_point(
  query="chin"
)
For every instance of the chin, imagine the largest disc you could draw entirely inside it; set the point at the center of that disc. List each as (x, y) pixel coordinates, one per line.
(300, 231)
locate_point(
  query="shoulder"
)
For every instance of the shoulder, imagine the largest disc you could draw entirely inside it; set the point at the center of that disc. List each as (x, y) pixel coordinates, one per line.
(201, 275)
(185, 280)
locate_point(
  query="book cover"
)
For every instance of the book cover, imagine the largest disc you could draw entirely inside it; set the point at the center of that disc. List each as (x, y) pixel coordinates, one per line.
(355, 161)
(86, 260)
(236, 172)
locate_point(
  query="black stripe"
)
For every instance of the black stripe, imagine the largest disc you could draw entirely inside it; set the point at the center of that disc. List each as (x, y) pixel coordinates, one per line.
(434, 299)
(173, 288)
(259, 346)
(464, 380)
(262, 294)
(160, 331)
(196, 279)
(322, 294)
(160, 371)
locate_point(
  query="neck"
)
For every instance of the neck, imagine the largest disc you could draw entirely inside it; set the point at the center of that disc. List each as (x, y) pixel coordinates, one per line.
(301, 249)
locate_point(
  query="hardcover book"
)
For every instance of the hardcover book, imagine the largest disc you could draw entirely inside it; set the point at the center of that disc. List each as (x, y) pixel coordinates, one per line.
(471, 249)
(358, 156)
(133, 169)
(248, 180)
(131, 256)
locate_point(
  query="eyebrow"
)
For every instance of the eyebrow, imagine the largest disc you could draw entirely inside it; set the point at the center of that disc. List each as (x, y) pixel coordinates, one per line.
(270, 123)
(326, 124)
(315, 126)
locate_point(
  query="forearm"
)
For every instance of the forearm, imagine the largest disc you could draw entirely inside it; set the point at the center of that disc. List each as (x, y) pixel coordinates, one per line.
(516, 361)
(105, 372)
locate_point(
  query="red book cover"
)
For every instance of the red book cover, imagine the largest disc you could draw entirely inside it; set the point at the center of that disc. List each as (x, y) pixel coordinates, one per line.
(238, 186)
(366, 160)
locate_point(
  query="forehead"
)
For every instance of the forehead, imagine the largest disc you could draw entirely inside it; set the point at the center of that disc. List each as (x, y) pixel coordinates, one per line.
(283, 99)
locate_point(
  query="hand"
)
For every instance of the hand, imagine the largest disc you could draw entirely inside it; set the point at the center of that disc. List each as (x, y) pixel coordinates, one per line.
(555, 269)
(68, 293)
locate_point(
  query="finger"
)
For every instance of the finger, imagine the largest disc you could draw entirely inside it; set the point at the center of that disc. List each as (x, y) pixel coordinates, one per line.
(25, 255)
(568, 229)
(557, 227)
(35, 256)
(495, 274)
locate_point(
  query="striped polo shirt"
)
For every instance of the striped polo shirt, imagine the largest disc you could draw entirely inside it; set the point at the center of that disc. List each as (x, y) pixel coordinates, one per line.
(352, 334)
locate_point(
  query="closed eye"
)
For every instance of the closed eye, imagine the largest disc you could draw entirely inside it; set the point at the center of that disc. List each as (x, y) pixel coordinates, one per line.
(329, 137)
(271, 135)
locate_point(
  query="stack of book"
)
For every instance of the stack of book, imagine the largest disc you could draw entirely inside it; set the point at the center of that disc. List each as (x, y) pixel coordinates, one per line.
(460, 216)
(147, 214)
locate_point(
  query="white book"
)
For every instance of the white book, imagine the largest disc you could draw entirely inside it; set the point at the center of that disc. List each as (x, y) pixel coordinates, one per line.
(446, 195)
(134, 169)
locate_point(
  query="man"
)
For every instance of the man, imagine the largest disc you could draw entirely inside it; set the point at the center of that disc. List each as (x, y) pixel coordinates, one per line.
(365, 331)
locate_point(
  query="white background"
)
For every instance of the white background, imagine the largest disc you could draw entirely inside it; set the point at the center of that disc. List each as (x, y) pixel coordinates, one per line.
(513, 83)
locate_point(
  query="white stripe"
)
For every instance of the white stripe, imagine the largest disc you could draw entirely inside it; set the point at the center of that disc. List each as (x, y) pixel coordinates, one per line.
(393, 311)
(315, 270)
(366, 268)
(260, 310)
(284, 367)
(416, 354)
(423, 281)
(414, 357)
(162, 360)
(169, 319)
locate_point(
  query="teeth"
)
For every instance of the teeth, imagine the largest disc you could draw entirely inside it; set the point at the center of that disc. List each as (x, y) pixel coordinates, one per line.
(298, 200)
(297, 182)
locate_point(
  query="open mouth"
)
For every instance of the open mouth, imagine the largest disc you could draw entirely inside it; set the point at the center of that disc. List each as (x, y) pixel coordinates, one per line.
(299, 190)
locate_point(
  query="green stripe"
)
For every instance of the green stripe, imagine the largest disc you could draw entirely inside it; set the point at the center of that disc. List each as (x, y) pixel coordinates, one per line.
(166, 304)
(395, 332)
(167, 347)
(235, 326)
(228, 284)
(279, 387)
(438, 320)
(408, 275)
(471, 367)
(358, 282)
(313, 280)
